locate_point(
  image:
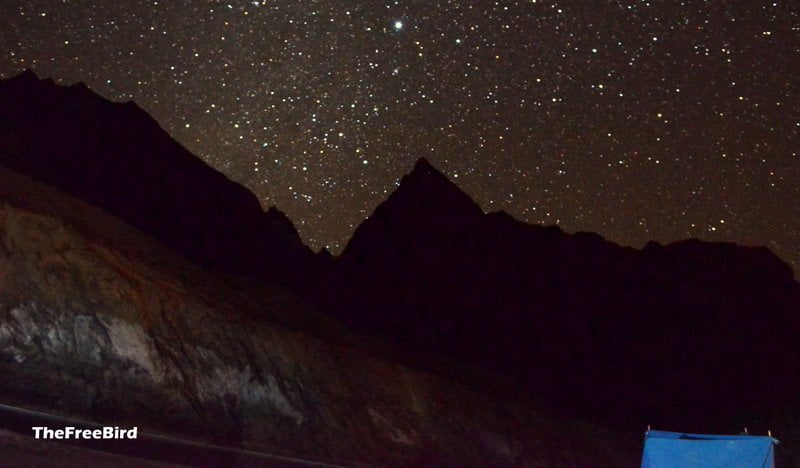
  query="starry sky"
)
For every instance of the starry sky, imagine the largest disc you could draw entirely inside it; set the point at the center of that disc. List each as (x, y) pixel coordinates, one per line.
(640, 120)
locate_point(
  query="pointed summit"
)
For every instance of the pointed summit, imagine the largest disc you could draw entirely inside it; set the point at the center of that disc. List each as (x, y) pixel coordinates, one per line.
(26, 79)
(426, 205)
(423, 169)
(424, 166)
(431, 194)
(27, 75)
(558, 313)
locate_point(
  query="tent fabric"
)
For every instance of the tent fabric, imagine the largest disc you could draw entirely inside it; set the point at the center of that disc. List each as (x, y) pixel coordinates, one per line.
(675, 449)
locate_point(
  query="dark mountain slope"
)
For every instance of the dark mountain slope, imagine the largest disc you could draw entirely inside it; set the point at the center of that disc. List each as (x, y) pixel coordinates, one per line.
(116, 157)
(100, 322)
(692, 335)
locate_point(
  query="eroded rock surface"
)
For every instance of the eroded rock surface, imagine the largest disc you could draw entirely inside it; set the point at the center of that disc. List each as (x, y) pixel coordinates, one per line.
(87, 330)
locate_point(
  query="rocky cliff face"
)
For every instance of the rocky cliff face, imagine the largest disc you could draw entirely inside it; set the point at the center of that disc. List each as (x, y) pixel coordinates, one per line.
(101, 321)
(116, 157)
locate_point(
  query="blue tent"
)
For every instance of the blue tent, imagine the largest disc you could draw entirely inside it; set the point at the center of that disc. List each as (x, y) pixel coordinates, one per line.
(675, 449)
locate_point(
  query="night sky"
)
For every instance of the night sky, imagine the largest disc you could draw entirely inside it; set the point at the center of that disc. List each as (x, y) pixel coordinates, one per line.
(638, 120)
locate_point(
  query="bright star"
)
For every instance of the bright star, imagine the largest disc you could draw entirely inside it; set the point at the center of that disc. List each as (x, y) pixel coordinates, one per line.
(398, 25)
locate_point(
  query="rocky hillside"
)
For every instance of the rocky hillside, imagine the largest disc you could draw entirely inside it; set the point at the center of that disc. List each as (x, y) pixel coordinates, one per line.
(116, 157)
(99, 320)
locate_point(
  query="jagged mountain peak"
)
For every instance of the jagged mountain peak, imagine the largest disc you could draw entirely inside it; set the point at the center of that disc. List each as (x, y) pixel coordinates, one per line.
(431, 271)
(423, 167)
(426, 181)
(426, 203)
(26, 76)
(426, 192)
(29, 81)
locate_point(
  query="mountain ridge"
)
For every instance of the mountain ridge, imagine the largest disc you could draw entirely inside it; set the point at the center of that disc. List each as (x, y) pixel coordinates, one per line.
(624, 336)
(424, 175)
(560, 311)
(117, 157)
(423, 169)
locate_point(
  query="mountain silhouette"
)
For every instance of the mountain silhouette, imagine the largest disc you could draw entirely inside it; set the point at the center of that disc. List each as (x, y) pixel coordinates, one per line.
(696, 336)
(693, 334)
(116, 157)
(102, 322)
